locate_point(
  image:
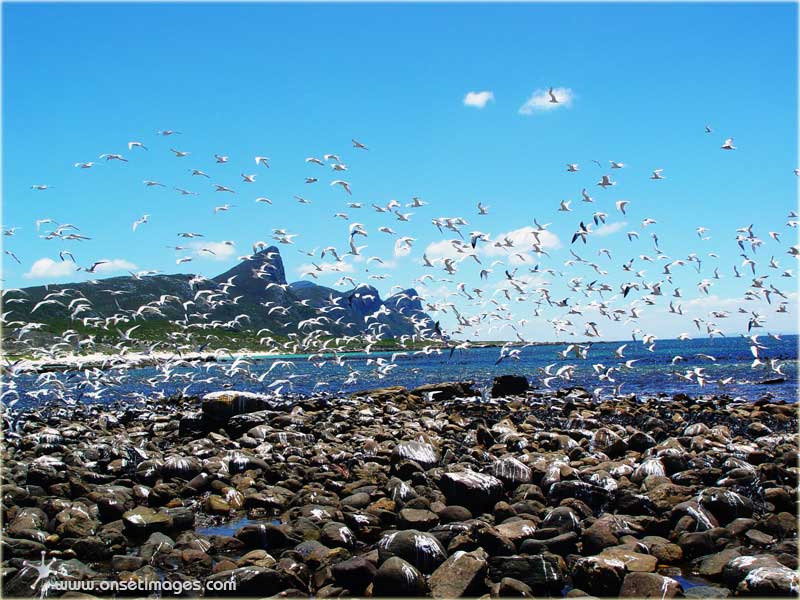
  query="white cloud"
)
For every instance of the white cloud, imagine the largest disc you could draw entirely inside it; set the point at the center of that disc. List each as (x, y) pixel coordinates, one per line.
(47, 268)
(221, 250)
(540, 101)
(478, 99)
(443, 249)
(609, 228)
(116, 264)
(522, 239)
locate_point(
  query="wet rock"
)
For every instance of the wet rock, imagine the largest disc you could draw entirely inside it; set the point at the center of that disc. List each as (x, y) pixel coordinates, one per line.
(143, 521)
(509, 385)
(412, 518)
(713, 564)
(508, 587)
(126, 562)
(460, 575)
(777, 581)
(421, 453)
(476, 491)
(517, 531)
(396, 577)
(354, 574)
(562, 545)
(221, 406)
(335, 535)
(542, 573)
(594, 496)
(634, 562)
(598, 536)
(511, 471)
(454, 513)
(20, 548)
(738, 567)
(445, 391)
(420, 549)
(599, 576)
(263, 536)
(759, 538)
(726, 505)
(706, 591)
(649, 585)
(249, 581)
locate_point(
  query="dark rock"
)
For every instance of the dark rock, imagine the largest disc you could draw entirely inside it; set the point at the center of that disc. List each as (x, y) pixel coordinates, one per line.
(460, 575)
(593, 495)
(412, 518)
(354, 574)
(726, 505)
(476, 491)
(599, 576)
(777, 581)
(563, 544)
(649, 585)
(421, 453)
(249, 581)
(454, 513)
(542, 573)
(446, 391)
(398, 578)
(508, 587)
(144, 521)
(509, 385)
(263, 536)
(421, 549)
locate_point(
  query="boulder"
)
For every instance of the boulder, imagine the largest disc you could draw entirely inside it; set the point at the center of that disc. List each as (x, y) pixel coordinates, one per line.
(397, 578)
(542, 572)
(509, 385)
(421, 453)
(649, 585)
(354, 574)
(476, 491)
(777, 581)
(460, 575)
(599, 576)
(420, 549)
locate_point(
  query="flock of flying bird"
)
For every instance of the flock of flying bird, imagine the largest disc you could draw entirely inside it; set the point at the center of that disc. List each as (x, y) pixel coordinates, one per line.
(520, 276)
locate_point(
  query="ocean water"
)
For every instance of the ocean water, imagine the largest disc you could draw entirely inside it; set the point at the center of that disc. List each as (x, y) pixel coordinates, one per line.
(654, 372)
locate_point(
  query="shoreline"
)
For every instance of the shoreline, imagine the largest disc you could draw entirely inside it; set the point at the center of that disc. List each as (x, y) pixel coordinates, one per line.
(104, 360)
(405, 492)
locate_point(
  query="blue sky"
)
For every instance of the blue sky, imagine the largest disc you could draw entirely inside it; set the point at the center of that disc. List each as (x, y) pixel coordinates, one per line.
(289, 82)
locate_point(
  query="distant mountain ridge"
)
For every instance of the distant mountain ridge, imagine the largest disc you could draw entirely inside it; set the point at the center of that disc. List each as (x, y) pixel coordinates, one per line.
(244, 289)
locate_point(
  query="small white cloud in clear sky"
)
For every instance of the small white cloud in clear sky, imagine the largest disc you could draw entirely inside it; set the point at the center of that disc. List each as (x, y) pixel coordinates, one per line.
(609, 228)
(115, 264)
(442, 249)
(522, 239)
(478, 99)
(47, 268)
(221, 250)
(540, 101)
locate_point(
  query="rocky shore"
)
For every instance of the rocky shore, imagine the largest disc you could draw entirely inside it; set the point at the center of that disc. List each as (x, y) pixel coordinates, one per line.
(396, 492)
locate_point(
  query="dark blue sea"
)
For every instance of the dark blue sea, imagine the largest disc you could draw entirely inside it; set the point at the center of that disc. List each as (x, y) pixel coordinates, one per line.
(654, 372)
